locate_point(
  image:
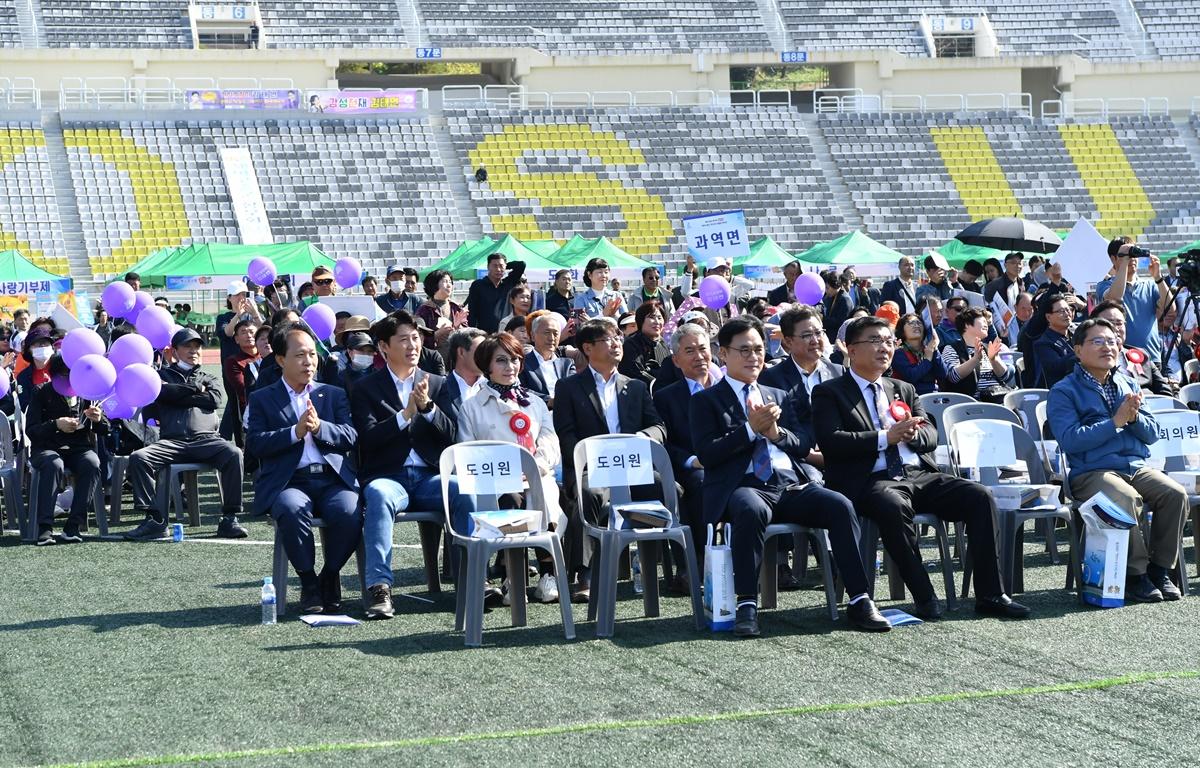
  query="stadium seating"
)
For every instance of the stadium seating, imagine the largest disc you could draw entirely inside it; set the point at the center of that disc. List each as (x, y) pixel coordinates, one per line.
(29, 219)
(598, 26)
(1174, 27)
(633, 174)
(373, 189)
(331, 24)
(10, 31)
(1025, 27)
(116, 23)
(917, 178)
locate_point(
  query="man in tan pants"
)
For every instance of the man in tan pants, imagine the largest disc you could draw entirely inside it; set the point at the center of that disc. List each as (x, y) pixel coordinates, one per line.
(1096, 415)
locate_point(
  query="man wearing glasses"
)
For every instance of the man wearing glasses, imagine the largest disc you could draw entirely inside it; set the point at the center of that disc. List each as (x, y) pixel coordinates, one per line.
(804, 367)
(1097, 417)
(1053, 350)
(322, 280)
(877, 444)
(651, 290)
(751, 445)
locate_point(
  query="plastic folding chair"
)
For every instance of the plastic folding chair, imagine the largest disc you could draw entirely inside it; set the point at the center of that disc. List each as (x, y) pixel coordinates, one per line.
(476, 551)
(10, 477)
(612, 541)
(280, 567)
(171, 491)
(768, 575)
(1189, 394)
(1158, 403)
(1023, 402)
(936, 403)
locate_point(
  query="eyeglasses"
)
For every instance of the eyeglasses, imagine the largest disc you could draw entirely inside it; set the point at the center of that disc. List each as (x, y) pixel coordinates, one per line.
(749, 353)
(877, 341)
(955, 307)
(914, 323)
(327, 281)
(504, 362)
(807, 336)
(1064, 312)
(1100, 342)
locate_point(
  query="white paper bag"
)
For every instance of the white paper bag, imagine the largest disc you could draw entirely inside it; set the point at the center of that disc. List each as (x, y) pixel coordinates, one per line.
(720, 602)
(1105, 555)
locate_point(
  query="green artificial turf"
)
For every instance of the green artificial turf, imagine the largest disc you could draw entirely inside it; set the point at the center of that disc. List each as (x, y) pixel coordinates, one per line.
(132, 652)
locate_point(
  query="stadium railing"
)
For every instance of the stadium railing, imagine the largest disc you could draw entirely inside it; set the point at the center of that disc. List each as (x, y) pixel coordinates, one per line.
(20, 92)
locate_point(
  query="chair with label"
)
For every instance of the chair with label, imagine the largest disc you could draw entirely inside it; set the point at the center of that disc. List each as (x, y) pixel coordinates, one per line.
(486, 470)
(986, 446)
(612, 539)
(1157, 403)
(1175, 450)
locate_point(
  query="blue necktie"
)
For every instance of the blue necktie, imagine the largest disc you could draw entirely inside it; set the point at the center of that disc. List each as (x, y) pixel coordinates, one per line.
(760, 461)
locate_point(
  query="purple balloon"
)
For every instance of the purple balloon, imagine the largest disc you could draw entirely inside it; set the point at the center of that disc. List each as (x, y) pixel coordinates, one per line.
(5, 382)
(138, 385)
(155, 323)
(118, 299)
(261, 271)
(130, 349)
(115, 409)
(93, 377)
(141, 301)
(321, 319)
(80, 342)
(62, 385)
(809, 288)
(714, 292)
(347, 272)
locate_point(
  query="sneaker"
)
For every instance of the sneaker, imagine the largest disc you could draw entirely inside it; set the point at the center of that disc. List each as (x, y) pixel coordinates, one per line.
(379, 603)
(70, 536)
(230, 528)
(1161, 579)
(1140, 589)
(46, 538)
(547, 589)
(149, 530)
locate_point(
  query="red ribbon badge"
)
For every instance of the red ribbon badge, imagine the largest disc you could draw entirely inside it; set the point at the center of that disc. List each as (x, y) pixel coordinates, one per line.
(520, 425)
(1135, 356)
(899, 410)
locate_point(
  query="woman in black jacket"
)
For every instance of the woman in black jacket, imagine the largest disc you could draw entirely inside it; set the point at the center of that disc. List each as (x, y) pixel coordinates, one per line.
(62, 431)
(645, 349)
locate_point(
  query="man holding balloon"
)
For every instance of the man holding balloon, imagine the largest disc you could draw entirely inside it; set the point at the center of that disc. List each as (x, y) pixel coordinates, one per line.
(187, 404)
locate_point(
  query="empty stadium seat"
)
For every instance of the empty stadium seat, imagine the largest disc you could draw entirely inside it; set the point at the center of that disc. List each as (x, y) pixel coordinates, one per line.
(29, 220)
(1173, 27)
(116, 23)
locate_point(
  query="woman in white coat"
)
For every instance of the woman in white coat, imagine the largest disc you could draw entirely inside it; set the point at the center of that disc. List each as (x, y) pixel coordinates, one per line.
(504, 410)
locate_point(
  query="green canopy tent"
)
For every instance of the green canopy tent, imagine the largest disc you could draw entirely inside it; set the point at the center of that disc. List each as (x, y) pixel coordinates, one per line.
(147, 267)
(579, 250)
(457, 259)
(850, 249)
(15, 268)
(764, 252)
(216, 260)
(465, 262)
(1179, 251)
(545, 248)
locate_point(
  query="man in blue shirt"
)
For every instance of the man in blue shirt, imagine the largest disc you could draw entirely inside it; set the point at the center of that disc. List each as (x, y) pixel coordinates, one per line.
(1143, 299)
(1096, 415)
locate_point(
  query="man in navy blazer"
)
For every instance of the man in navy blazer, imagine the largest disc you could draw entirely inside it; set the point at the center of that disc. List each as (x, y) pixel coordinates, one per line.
(803, 368)
(402, 433)
(903, 289)
(750, 446)
(301, 433)
(781, 294)
(464, 379)
(544, 367)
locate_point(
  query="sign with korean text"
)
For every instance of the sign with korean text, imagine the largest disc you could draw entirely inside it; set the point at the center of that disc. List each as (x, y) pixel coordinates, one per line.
(488, 470)
(243, 98)
(619, 462)
(429, 53)
(794, 57)
(717, 236)
(23, 287)
(363, 102)
(226, 12)
(245, 196)
(1178, 434)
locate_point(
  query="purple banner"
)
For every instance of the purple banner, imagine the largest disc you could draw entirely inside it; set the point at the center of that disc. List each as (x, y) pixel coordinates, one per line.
(243, 98)
(363, 102)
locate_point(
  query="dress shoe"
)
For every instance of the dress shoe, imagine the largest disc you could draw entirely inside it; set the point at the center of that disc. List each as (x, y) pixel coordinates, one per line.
(379, 603)
(310, 594)
(745, 623)
(787, 581)
(493, 597)
(930, 610)
(230, 528)
(865, 616)
(1003, 606)
(149, 530)
(331, 591)
(581, 591)
(1141, 589)
(679, 585)
(1161, 578)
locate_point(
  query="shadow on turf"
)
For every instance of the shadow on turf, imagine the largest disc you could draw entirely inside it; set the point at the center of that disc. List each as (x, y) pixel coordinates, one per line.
(190, 618)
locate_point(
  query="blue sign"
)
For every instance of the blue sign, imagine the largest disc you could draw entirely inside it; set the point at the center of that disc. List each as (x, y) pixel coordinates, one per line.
(717, 236)
(794, 57)
(429, 53)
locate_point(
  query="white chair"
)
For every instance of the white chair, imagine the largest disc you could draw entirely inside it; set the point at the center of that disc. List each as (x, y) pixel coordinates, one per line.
(1157, 403)
(1189, 394)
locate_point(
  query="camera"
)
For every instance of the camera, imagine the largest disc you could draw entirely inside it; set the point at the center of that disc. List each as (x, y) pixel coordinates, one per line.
(1137, 252)
(1189, 270)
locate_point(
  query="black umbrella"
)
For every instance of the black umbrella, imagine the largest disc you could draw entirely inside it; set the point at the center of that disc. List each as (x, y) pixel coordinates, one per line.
(1011, 234)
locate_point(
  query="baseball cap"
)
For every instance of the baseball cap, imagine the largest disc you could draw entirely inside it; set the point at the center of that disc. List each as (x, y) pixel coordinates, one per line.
(356, 339)
(236, 287)
(183, 336)
(626, 319)
(393, 268)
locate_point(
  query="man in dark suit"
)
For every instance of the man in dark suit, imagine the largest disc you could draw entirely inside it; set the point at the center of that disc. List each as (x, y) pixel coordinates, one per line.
(804, 367)
(300, 431)
(690, 349)
(402, 433)
(903, 289)
(781, 294)
(464, 379)
(749, 447)
(599, 401)
(1054, 355)
(544, 366)
(877, 454)
(488, 296)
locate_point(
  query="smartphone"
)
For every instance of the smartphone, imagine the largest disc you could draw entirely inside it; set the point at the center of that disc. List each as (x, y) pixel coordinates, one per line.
(1143, 264)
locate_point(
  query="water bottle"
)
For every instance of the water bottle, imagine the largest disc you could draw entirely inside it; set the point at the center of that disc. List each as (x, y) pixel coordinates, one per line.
(635, 564)
(268, 601)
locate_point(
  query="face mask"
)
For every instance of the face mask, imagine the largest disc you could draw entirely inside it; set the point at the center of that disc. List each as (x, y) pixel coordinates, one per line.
(361, 362)
(397, 286)
(42, 354)
(185, 367)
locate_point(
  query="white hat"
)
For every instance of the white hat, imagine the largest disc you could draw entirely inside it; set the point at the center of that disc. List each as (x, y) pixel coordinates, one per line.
(236, 287)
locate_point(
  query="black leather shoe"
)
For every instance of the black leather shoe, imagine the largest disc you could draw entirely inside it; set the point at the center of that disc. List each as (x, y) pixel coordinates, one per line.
(1161, 579)
(379, 602)
(1141, 589)
(930, 610)
(679, 585)
(310, 594)
(865, 616)
(230, 528)
(745, 624)
(787, 581)
(1003, 606)
(331, 591)
(149, 530)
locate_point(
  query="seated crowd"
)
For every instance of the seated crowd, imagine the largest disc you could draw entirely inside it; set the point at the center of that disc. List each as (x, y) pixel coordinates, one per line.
(771, 412)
